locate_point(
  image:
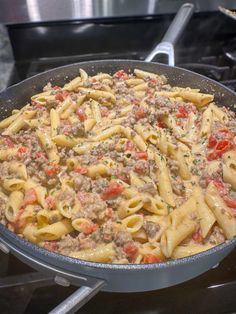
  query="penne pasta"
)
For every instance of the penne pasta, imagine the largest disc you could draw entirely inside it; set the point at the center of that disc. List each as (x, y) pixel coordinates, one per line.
(119, 168)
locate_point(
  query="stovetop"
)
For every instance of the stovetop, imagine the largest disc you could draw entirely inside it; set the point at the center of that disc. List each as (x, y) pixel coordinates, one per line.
(205, 48)
(211, 293)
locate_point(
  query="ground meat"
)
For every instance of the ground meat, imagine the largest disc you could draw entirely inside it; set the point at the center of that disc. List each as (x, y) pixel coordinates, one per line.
(151, 228)
(68, 244)
(203, 183)
(81, 183)
(232, 194)
(3, 170)
(86, 242)
(65, 195)
(121, 88)
(148, 187)
(39, 175)
(103, 148)
(163, 102)
(231, 124)
(152, 118)
(217, 236)
(99, 185)
(114, 203)
(77, 129)
(52, 103)
(88, 159)
(177, 185)
(141, 166)
(217, 175)
(74, 97)
(93, 207)
(122, 237)
(173, 166)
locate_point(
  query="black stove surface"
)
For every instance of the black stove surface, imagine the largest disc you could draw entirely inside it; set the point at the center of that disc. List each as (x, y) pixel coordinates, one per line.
(201, 51)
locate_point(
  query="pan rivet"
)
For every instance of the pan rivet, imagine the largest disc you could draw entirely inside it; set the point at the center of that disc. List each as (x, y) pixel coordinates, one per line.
(4, 248)
(61, 281)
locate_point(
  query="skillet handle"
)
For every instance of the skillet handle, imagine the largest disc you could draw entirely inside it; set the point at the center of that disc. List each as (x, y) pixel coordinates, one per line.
(166, 46)
(75, 301)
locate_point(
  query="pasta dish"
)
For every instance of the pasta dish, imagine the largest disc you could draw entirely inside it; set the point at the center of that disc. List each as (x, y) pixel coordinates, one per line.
(120, 168)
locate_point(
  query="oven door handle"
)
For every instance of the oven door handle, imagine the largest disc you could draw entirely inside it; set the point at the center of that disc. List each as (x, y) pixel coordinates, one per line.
(166, 46)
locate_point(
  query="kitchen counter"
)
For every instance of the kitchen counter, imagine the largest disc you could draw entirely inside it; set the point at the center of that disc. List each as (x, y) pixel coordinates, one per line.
(6, 58)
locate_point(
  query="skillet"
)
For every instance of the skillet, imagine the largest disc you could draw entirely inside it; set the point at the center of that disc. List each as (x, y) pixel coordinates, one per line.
(99, 276)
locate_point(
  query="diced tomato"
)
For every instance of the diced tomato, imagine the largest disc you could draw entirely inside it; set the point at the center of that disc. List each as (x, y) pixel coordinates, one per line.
(122, 75)
(161, 124)
(9, 142)
(59, 97)
(81, 170)
(50, 202)
(211, 141)
(30, 197)
(22, 149)
(51, 246)
(197, 236)
(151, 258)
(104, 112)
(81, 114)
(229, 201)
(182, 112)
(52, 170)
(114, 189)
(62, 95)
(141, 155)
(140, 113)
(212, 156)
(129, 145)
(82, 196)
(88, 228)
(222, 147)
(131, 250)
